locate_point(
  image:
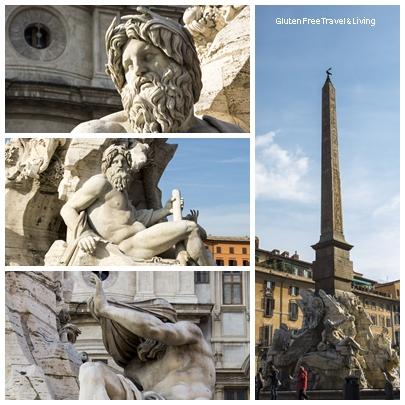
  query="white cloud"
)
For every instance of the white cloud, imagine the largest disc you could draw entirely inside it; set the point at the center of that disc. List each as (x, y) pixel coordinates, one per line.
(230, 220)
(388, 208)
(281, 174)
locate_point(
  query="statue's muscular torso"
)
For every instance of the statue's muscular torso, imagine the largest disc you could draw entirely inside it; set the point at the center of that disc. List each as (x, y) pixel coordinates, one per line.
(184, 372)
(112, 215)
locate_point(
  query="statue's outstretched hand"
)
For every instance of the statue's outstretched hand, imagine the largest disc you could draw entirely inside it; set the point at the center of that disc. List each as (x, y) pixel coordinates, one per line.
(192, 216)
(88, 244)
(99, 298)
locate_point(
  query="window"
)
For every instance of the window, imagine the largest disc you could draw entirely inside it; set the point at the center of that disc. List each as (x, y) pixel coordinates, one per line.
(37, 35)
(102, 275)
(396, 319)
(246, 263)
(388, 322)
(396, 337)
(202, 277)
(382, 320)
(232, 262)
(269, 285)
(293, 290)
(373, 319)
(293, 311)
(219, 262)
(232, 287)
(266, 335)
(244, 251)
(235, 393)
(218, 249)
(268, 306)
(231, 250)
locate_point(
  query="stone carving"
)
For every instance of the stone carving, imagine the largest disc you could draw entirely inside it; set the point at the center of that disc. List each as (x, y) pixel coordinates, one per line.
(154, 66)
(204, 23)
(103, 223)
(335, 342)
(39, 363)
(28, 158)
(68, 332)
(222, 38)
(163, 358)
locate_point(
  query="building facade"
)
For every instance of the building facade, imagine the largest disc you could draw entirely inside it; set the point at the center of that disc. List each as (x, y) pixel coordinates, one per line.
(217, 301)
(229, 250)
(55, 65)
(279, 278)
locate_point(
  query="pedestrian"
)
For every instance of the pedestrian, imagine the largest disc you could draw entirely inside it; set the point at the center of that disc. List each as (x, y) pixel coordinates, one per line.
(302, 383)
(274, 381)
(259, 383)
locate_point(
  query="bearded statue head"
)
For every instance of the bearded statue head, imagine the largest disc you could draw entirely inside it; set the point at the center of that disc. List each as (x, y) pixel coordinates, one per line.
(116, 165)
(153, 64)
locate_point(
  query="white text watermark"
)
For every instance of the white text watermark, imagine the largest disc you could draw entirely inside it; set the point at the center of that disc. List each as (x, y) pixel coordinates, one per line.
(326, 21)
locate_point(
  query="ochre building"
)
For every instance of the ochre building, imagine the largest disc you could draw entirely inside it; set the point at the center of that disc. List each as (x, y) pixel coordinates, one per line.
(229, 250)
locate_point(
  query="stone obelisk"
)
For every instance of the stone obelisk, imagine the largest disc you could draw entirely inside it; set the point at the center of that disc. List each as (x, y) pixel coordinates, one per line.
(332, 268)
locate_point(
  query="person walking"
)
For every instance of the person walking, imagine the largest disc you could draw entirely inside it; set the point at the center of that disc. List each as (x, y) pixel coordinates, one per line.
(259, 383)
(274, 381)
(302, 383)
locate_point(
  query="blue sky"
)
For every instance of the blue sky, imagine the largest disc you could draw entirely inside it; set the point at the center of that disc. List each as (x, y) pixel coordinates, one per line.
(213, 176)
(290, 70)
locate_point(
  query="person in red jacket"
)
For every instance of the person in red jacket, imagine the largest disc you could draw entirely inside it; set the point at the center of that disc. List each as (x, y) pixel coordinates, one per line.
(302, 383)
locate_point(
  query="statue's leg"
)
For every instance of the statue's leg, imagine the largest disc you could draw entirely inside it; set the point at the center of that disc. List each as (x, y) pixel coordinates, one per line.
(161, 237)
(98, 381)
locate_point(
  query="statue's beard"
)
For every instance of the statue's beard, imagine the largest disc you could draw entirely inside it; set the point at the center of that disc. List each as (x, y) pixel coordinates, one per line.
(119, 178)
(157, 104)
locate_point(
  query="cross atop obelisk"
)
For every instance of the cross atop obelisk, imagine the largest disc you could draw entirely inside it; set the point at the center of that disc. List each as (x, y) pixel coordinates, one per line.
(332, 268)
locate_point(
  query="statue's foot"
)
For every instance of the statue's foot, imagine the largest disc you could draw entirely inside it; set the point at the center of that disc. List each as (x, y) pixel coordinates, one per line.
(100, 300)
(183, 258)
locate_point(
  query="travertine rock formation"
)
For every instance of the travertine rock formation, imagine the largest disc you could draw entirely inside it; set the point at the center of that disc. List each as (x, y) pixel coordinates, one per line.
(222, 38)
(34, 169)
(41, 362)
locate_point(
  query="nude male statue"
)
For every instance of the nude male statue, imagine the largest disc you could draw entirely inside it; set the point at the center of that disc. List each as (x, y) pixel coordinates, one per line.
(154, 66)
(112, 217)
(162, 358)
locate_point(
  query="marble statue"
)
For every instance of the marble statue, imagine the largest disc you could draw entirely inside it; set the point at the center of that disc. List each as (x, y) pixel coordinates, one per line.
(45, 179)
(162, 358)
(154, 66)
(334, 342)
(100, 211)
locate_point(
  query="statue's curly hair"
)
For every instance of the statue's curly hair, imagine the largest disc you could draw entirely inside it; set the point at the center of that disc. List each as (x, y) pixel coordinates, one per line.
(164, 33)
(111, 152)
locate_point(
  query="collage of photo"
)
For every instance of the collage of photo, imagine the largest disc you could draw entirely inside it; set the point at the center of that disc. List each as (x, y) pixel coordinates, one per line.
(270, 142)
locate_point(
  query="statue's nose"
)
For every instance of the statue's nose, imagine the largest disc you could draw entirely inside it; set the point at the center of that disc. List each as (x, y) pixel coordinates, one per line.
(139, 67)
